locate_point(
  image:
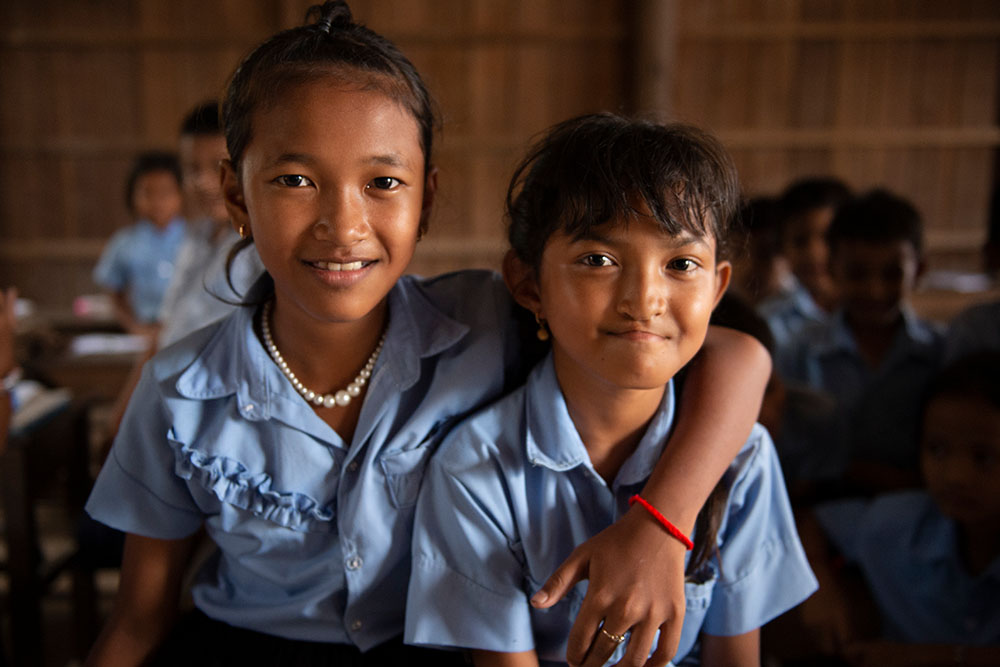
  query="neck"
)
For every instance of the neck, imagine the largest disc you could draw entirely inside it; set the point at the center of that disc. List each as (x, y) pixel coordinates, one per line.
(326, 356)
(610, 420)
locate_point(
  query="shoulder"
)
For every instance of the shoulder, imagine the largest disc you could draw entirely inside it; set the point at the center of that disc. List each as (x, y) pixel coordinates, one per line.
(171, 361)
(463, 295)
(894, 516)
(491, 436)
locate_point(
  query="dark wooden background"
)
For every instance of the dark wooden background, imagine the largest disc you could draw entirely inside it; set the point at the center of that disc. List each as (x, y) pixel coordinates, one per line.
(900, 93)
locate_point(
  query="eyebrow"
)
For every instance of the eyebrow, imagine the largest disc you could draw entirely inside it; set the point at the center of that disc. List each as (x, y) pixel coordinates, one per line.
(386, 159)
(677, 240)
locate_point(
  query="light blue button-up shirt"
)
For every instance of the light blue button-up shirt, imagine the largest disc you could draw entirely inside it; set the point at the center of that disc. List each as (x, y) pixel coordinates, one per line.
(877, 410)
(787, 314)
(313, 533)
(140, 259)
(908, 552)
(512, 491)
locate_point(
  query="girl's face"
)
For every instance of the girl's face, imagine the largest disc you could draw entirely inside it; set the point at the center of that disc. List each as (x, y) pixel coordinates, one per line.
(157, 197)
(332, 187)
(960, 457)
(628, 306)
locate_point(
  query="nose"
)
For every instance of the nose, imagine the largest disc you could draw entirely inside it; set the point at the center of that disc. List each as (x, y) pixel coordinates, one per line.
(341, 219)
(643, 293)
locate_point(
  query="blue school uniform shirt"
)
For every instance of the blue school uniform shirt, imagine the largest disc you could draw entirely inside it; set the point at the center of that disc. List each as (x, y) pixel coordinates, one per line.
(512, 491)
(975, 329)
(908, 553)
(787, 314)
(140, 259)
(877, 409)
(313, 533)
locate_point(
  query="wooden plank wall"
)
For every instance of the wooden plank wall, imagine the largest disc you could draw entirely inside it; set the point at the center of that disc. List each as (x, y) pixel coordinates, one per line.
(900, 92)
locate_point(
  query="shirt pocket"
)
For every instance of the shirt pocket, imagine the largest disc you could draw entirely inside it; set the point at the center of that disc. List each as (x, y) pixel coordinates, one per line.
(404, 472)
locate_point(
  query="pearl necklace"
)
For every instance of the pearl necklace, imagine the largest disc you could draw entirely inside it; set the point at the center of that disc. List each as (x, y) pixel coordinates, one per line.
(342, 397)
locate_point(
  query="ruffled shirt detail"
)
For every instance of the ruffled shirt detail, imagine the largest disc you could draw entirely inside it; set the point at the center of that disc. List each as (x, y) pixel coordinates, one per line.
(232, 483)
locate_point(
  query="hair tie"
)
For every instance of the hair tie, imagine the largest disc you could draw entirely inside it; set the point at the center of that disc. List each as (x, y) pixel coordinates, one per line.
(325, 24)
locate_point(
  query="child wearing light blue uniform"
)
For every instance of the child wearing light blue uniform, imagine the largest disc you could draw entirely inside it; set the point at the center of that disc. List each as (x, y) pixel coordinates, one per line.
(138, 261)
(296, 431)
(620, 268)
(512, 491)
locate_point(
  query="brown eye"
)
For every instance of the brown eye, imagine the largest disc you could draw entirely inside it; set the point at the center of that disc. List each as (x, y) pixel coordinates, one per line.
(293, 180)
(597, 259)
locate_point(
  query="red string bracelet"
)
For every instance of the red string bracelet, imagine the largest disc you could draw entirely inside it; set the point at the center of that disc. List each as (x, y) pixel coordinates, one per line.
(664, 521)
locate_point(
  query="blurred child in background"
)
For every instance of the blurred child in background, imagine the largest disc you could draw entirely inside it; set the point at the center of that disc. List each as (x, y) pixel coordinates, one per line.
(138, 261)
(930, 557)
(874, 357)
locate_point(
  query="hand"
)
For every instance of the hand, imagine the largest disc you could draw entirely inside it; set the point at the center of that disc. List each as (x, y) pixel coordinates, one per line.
(8, 325)
(636, 573)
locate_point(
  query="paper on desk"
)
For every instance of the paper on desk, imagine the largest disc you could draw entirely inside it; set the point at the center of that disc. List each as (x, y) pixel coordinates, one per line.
(33, 402)
(105, 343)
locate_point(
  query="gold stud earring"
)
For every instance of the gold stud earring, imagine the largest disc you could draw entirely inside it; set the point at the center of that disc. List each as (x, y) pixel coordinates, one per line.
(244, 233)
(543, 332)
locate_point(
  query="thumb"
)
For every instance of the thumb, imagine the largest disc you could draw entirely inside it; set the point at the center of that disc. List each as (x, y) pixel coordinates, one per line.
(573, 570)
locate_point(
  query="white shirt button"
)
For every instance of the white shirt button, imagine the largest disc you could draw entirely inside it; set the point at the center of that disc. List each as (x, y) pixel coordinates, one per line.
(354, 563)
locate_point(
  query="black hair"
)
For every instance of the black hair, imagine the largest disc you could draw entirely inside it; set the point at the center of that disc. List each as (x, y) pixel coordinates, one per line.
(877, 216)
(589, 170)
(146, 163)
(330, 42)
(735, 312)
(976, 375)
(202, 120)
(809, 194)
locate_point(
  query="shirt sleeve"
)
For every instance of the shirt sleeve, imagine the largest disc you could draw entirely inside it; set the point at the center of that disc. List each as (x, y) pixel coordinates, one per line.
(137, 490)
(764, 570)
(467, 585)
(111, 271)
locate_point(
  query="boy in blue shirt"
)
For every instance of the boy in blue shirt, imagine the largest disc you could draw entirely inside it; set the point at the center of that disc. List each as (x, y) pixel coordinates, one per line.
(618, 230)
(875, 357)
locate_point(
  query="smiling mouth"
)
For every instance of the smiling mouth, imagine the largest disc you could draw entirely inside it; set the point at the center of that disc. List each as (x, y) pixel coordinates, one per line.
(340, 266)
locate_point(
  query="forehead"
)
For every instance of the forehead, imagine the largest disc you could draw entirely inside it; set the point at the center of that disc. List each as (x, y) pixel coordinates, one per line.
(196, 147)
(641, 230)
(328, 116)
(875, 253)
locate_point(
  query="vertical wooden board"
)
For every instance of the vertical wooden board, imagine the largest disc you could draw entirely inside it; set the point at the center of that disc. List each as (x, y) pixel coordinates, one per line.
(493, 15)
(977, 77)
(93, 94)
(99, 182)
(585, 79)
(532, 111)
(494, 89)
(445, 69)
(33, 204)
(815, 85)
(28, 108)
(934, 100)
(821, 10)
(454, 203)
(972, 189)
(809, 162)
(492, 173)
(767, 85)
(885, 88)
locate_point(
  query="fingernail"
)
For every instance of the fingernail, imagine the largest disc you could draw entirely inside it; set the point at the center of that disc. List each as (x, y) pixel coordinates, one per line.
(540, 597)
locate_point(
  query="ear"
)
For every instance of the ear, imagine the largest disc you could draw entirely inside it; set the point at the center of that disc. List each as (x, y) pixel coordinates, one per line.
(522, 282)
(430, 191)
(723, 274)
(232, 194)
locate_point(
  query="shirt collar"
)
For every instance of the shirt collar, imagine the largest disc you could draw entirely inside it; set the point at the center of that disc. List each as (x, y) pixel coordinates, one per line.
(553, 442)
(914, 338)
(417, 329)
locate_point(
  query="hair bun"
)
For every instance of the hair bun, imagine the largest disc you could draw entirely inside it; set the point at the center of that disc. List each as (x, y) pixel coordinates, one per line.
(329, 15)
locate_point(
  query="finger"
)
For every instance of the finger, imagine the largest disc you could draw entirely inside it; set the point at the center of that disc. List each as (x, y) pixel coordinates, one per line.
(583, 633)
(566, 576)
(604, 644)
(670, 638)
(639, 642)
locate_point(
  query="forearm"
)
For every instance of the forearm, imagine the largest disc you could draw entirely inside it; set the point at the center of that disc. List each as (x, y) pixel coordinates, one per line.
(720, 403)
(734, 651)
(146, 605)
(494, 659)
